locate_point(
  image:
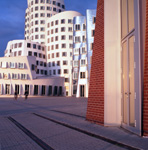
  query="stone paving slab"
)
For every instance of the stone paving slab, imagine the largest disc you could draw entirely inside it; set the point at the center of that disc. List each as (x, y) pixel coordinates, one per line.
(11, 138)
(23, 110)
(114, 133)
(61, 138)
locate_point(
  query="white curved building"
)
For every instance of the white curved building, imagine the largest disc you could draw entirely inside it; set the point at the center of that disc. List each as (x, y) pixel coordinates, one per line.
(37, 14)
(59, 45)
(17, 48)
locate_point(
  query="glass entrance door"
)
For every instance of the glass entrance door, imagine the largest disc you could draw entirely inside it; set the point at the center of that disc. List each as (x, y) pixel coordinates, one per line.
(128, 86)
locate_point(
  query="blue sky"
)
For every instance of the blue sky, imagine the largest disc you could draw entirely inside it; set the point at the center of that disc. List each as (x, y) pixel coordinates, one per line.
(12, 18)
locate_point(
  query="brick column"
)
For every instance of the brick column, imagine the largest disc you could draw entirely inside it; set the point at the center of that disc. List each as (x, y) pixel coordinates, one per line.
(145, 100)
(95, 108)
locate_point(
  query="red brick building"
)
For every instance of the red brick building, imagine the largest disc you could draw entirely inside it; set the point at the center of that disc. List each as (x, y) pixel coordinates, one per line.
(118, 93)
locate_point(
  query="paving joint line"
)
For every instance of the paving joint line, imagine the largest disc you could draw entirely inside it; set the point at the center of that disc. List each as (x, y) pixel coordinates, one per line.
(37, 140)
(68, 113)
(90, 134)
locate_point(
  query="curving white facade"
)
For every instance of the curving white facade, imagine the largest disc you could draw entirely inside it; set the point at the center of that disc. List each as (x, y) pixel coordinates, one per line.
(59, 44)
(37, 14)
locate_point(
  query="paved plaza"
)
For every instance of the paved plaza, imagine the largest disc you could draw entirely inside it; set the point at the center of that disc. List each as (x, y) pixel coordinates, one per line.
(58, 123)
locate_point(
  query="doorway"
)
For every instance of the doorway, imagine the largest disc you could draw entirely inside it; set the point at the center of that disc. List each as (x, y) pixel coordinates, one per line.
(36, 89)
(7, 89)
(82, 90)
(128, 82)
(17, 88)
(43, 90)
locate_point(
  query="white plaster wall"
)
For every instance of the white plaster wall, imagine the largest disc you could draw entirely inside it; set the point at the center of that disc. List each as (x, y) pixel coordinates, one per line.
(112, 63)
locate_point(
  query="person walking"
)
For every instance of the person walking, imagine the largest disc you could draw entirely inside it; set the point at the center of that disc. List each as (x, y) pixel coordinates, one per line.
(26, 94)
(15, 95)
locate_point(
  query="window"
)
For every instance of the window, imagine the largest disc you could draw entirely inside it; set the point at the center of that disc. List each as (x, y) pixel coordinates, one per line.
(70, 37)
(40, 55)
(58, 63)
(76, 63)
(36, 15)
(48, 56)
(32, 67)
(62, 21)
(45, 65)
(84, 27)
(19, 53)
(49, 64)
(36, 36)
(36, 22)
(20, 45)
(21, 65)
(94, 19)
(36, 1)
(36, 8)
(70, 45)
(37, 62)
(42, 1)
(83, 38)
(35, 54)
(65, 71)
(24, 76)
(53, 63)
(42, 8)
(63, 45)
(92, 33)
(57, 54)
(77, 39)
(56, 38)
(83, 50)
(41, 63)
(52, 23)
(52, 55)
(59, 71)
(42, 36)
(63, 6)
(36, 29)
(42, 21)
(63, 29)
(65, 62)
(54, 72)
(70, 21)
(54, 2)
(14, 76)
(70, 29)
(50, 72)
(57, 46)
(58, 4)
(52, 31)
(91, 46)
(54, 9)
(42, 29)
(63, 37)
(75, 75)
(12, 65)
(66, 79)
(77, 27)
(29, 53)
(34, 46)
(56, 22)
(82, 62)
(28, 45)
(64, 54)
(56, 30)
(82, 75)
(39, 47)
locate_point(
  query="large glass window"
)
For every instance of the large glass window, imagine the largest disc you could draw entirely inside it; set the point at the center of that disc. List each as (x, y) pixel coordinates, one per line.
(127, 16)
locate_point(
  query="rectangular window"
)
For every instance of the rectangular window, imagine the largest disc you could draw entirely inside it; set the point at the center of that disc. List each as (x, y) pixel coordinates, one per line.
(63, 29)
(59, 71)
(62, 21)
(65, 71)
(21, 65)
(82, 75)
(29, 53)
(82, 62)
(63, 45)
(64, 54)
(34, 46)
(65, 62)
(77, 27)
(28, 45)
(58, 63)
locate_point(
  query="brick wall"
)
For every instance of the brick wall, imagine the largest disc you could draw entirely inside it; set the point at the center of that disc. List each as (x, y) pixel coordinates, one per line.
(95, 108)
(145, 100)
